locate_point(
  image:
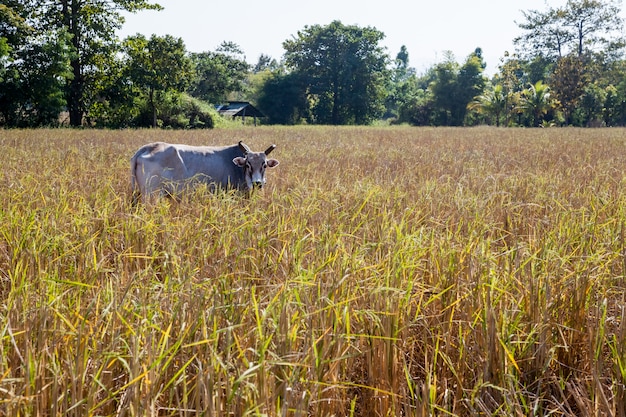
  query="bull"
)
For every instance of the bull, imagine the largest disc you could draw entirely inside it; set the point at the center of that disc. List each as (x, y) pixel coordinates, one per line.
(167, 169)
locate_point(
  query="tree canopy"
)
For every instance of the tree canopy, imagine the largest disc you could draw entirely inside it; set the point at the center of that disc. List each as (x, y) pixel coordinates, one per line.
(61, 62)
(577, 27)
(344, 70)
(150, 66)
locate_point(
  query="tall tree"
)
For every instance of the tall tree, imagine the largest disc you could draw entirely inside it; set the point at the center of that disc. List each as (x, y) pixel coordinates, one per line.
(91, 25)
(150, 66)
(401, 84)
(470, 83)
(444, 89)
(344, 71)
(33, 68)
(456, 86)
(265, 63)
(33, 91)
(568, 82)
(579, 26)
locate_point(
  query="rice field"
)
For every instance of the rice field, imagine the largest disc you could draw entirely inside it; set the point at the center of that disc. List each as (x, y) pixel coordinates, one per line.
(383, 271)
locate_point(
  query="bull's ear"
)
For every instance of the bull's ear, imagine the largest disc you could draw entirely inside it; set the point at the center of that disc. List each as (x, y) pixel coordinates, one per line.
(272, 163)
(240, 161)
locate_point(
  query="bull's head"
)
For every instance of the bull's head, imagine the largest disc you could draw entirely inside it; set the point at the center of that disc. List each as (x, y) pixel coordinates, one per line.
(254, 164)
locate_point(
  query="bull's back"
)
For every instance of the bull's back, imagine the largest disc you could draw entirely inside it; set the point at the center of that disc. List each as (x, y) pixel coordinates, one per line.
(213, 165)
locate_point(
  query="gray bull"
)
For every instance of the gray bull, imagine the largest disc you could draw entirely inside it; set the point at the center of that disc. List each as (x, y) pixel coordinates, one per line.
(165, 168)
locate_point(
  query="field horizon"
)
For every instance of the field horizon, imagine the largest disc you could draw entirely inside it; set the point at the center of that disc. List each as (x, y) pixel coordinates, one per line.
(383, 271)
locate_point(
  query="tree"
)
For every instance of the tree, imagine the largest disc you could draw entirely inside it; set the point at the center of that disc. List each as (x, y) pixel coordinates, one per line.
(470, 83)
(401, 84)
(13, 29)
(492, 103)
(545, 35)
(568, 82)
(33, 89)
(219, 73)
(91, 25)
(579, 26)
(283, 99)
(343, 69)
(455, 87)
(537, 102)
(592, 101)
(443, 90)
(614, 113)
(33, 67)
(513, 76)
(265, 63)
(417, 108)
(150, 67)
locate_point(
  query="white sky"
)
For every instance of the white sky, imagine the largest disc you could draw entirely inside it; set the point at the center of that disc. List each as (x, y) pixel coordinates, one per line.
(427, 28)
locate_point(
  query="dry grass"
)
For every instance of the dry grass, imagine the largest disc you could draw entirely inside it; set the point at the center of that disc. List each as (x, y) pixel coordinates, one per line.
(383, 272)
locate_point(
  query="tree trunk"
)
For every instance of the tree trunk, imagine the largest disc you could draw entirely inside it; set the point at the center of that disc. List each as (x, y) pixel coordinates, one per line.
(75, 95)
(154, 111)
(71, 11)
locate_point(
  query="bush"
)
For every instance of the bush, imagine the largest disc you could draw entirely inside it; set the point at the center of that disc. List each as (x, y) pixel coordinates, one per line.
(178, 112)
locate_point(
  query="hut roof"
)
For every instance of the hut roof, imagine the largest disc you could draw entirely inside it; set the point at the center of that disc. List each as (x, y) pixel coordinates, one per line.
(238, 109)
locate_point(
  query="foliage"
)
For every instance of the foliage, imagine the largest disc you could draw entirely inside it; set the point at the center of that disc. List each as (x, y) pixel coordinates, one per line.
(334, 74)
(283, 99)
(568, 80)
(536, 102)
(455, 87)
(570, 47)
(87, 27)
(343, 70)
(417, 108)
(265, 63)
(117, 100)
(33, 86)
(579, 27)
(402, 85)
(493, 104)
(218, 74)
(592, 100)
(614, 110)
(150, 64)
(176, 111)
(91, 25)
(470, 83)
(480, 284)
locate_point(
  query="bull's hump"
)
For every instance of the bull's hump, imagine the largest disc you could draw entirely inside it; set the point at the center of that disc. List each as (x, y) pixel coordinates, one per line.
(153, 148)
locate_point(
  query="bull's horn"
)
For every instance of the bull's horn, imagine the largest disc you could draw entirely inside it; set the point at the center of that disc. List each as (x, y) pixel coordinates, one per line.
(270, 149)
(244, 148)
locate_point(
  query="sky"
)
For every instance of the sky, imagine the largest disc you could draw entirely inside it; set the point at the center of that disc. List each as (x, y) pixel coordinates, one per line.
(427, 28)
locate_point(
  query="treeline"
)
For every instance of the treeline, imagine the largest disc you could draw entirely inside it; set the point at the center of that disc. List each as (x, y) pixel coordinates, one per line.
(61, 63)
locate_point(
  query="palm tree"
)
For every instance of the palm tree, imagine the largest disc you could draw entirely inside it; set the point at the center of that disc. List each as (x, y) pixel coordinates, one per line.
(493, 103)
(537, 101)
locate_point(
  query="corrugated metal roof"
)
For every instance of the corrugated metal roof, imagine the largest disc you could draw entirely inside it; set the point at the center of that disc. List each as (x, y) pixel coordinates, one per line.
(238, 109)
